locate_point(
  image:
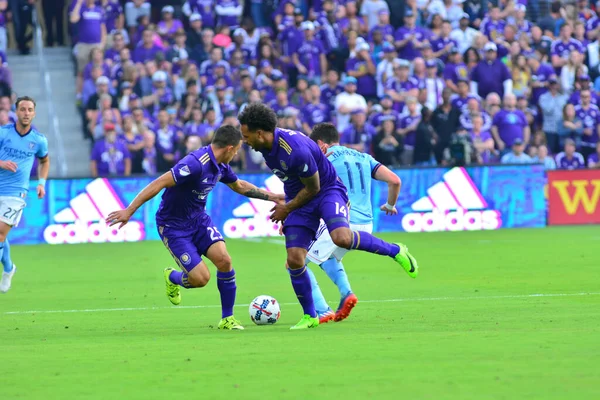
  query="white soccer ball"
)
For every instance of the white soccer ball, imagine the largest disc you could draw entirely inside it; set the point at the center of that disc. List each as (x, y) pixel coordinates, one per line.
(264, 310)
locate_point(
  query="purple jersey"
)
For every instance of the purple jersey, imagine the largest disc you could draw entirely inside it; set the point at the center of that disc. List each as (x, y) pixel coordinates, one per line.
(510, 125)
(484, 135)
(313, 114)
(87, 71)
(110, 157)
(405, 122)
(575, 98)
(590, 118)
(90, 24)
(564, 49)
(295, 156)
(328, 94)
(490, 77)
(377, 119)
(409, 52)
(113, 55)
(492, 29)
(112, 11)
(142, 54)
(355, 135)
(229, 19)
(454, 72)
(400, 87)
(163, 30)
(460, 103)
(206, 9)
(543, 73)
(166, 139)
(195, 177)
(576, 161)
(467, 122)
(366, 85)
(386, 30)
(440, 43)
(309, 53)
(593, 160)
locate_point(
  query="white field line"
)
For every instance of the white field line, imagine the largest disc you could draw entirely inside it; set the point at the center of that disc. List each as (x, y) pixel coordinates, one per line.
(467, 298)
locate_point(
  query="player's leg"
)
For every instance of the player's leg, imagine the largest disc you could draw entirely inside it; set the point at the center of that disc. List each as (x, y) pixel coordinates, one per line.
(334, 211)
(299, 230)
(217, 253)
(8, 268)
(323, 310)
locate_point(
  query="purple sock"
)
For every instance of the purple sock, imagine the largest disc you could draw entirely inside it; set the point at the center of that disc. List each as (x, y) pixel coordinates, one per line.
(227, 289)
(180, 278)
(301, 284)
(366, 242)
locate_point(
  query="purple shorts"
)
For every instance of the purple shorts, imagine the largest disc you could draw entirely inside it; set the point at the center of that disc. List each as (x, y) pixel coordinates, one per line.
(300, 227)
(188, 245)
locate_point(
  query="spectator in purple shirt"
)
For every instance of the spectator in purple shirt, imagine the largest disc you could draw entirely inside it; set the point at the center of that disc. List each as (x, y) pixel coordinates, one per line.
(113, 14)
(493, 26)
(166, 142)
(482, 140)
(408, 127)
(314, 112)
(361, 66)
(383, 26)
(569, 158)
(96, 60)
(410, 38)
(146, 50)
(491, 75)
(110, 156)
(510, 124)
(309, 55)
(204, 8)
(229, 12)
(589, 115)
(91, 33)
(168, 25)
(594, 159)
(401, 85)
(455, 70)
(358, 134)
(562, 47)
(442, 45)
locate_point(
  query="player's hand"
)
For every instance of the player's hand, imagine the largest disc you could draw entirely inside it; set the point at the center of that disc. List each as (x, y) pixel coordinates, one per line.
(121, 216)
(281, 228)
(41, 191)
(387, 211)
(280, 213)
(8, 165)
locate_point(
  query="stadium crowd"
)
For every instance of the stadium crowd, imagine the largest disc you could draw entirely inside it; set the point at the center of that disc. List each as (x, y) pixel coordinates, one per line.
(415, 82)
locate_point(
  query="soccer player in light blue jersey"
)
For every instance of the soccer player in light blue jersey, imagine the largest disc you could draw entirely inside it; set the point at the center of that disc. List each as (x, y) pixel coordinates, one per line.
(356, 170)
(19, 144)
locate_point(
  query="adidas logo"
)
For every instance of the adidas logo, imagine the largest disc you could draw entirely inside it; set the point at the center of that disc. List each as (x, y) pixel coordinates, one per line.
(83, 220)
(454, 204)
(252, 217)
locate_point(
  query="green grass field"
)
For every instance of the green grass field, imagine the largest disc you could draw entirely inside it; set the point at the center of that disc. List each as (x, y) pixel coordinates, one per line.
(511, 314)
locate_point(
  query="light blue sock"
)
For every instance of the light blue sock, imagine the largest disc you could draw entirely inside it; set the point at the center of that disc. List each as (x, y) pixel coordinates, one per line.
(318, 298)
(5, 256)
(335, 271)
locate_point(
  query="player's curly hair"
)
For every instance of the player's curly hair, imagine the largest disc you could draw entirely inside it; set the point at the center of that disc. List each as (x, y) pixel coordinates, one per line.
(258, 116)
(325, 132)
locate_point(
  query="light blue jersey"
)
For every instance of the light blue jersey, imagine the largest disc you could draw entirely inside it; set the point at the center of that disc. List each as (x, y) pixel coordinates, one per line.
(21, 150)
(356, 170)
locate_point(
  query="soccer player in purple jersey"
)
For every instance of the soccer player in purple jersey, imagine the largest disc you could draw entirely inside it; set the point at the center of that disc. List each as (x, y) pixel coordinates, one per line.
(313, 192)
(183, 224)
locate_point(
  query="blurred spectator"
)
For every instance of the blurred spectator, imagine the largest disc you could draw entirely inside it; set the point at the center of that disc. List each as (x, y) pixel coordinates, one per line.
(589, 115)
(149, 153)
(482, 140)
(552, 104)
(460, 150)
(543, 158)
(594, 159)
(491, 75)
(358, 135)
(569, 158)
(347, 102)
(168, 26)
(408, 130)
(53, 18)
(424, 140)
(433, 85)
(445, 121)
(387, 144)
(517, 155)
(510, 125)
(228, 13)
(91, 33)
(110, 156)
(134, 11)
(464, 35)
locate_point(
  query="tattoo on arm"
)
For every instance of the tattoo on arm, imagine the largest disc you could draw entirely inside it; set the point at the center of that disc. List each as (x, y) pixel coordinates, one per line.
(257, 194)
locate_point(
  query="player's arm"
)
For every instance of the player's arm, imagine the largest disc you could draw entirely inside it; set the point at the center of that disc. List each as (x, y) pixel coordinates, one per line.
(312, 186)
(384, 174)
(249, 190)
(166, 180)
